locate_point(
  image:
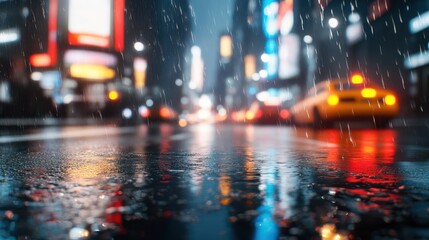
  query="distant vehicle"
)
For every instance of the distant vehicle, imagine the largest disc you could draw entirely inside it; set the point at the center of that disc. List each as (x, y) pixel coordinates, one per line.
(121, 103)
(159, 113)
(343, 99)
(238, 116)
(153, 108)
(267, 113)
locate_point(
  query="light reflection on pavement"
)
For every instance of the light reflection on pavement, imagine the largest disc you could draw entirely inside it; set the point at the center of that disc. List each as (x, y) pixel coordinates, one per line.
(214, 181)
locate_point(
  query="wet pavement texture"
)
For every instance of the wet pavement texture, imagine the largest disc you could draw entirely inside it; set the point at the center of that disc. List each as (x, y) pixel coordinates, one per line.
(214, 182)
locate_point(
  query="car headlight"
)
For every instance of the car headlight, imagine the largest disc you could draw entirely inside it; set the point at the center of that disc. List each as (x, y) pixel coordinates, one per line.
(333, 100)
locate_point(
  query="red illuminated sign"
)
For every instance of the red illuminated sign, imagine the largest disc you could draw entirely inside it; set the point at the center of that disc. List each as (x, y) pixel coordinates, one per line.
(88, 40)
(119, 24)
(49, 59)
(40, 60)
(52, 38)
(324, 3)
(378, 8)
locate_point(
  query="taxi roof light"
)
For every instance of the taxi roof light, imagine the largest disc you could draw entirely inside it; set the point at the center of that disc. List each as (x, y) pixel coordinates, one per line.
(357, 79)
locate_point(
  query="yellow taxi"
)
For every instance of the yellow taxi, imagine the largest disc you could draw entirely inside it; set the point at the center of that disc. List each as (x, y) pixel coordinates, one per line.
(351, 99)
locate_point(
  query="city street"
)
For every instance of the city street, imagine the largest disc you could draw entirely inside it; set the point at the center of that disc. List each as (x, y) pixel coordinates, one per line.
(219, 181)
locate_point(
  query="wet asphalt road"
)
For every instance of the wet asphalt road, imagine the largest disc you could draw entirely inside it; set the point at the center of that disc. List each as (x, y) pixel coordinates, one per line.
(213, 182)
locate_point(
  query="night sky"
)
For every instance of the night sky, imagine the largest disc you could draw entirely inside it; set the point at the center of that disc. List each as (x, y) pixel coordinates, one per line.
(211, 18)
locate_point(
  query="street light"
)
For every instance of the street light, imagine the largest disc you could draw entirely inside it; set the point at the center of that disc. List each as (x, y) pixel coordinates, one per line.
(249, 65)
(333, 23)
(308, 39)
(265, 57)
(354, 17)
(226, 46)
(263, 73)
(140, 67)
(139, 46)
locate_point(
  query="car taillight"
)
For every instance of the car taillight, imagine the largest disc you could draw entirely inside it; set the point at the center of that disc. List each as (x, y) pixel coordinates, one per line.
(390, 100)
(333, 100)
(284, 114)
(164, 112)
(144, 112)
(368, 93)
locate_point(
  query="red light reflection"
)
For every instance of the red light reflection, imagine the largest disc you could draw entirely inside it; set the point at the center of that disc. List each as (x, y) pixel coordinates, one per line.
(362, 152)
(364, 156)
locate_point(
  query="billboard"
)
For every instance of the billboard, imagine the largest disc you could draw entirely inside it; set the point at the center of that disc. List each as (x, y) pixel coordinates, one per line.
(289, 51)
(270, 10)
(10, 29)
(90, 65)
(90, 23)
(47, 57)
(286, 17)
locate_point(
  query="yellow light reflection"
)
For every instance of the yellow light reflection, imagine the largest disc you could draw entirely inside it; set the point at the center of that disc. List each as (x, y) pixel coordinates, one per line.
(91, 72)
(88, 172)
(225, 190)
(329, 232)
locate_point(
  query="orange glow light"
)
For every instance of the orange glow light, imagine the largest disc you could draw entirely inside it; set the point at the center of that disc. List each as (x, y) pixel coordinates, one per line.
(250, 115)
(88, 40)
(284, 114)
(390, 100)
(164, 112)
(333, 100)
(91, 72)
(249, 65)
(226, 46)
(369, 93)
(183, 123)
(40, 60)
(113, 95)
(357, 79)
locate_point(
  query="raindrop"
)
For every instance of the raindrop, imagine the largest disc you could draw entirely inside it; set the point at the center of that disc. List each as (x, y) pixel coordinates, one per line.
(400, 16)
(394, 25)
